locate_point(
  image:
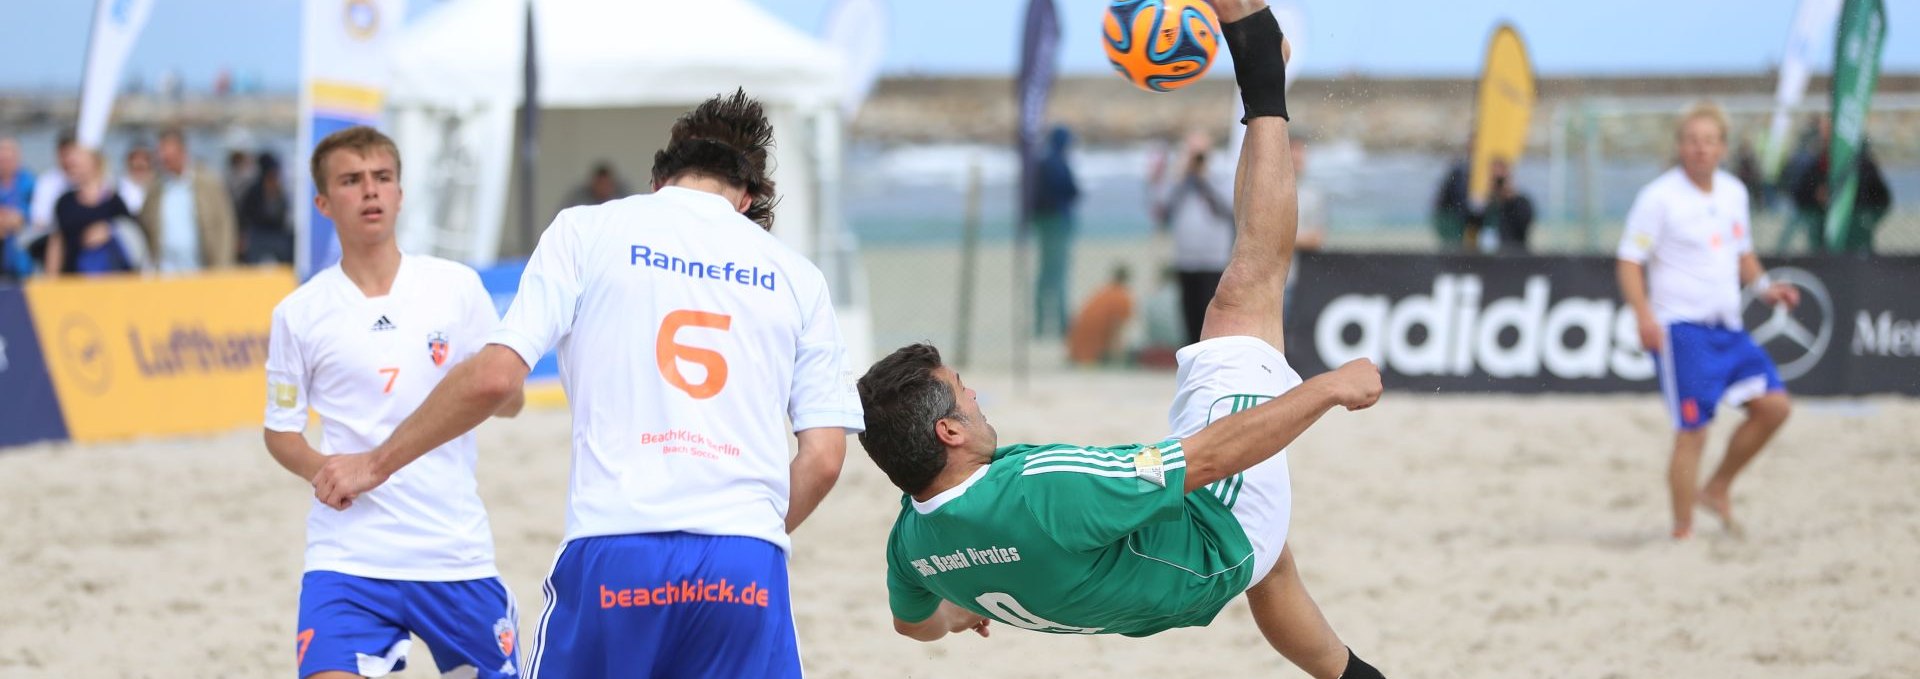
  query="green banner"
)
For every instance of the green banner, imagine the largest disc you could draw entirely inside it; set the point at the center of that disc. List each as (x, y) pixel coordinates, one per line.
(1856, 69)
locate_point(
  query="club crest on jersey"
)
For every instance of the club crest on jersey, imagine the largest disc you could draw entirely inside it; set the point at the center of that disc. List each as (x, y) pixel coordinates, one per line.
(503, 633)
(1148, 466)
(437, 348)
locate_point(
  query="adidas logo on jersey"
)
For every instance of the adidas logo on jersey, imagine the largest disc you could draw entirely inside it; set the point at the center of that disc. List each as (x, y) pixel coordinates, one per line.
(383, 324)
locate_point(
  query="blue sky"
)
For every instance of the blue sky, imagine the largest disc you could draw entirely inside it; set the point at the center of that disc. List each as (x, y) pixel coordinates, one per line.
(260, 38)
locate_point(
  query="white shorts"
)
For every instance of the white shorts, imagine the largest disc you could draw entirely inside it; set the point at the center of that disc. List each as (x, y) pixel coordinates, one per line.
(1217, 378)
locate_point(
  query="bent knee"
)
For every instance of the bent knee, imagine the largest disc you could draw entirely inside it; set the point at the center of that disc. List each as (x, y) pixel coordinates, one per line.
(1772, 408)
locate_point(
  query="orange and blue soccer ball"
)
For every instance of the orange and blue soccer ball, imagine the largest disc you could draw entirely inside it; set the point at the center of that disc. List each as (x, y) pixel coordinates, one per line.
(1161, 45)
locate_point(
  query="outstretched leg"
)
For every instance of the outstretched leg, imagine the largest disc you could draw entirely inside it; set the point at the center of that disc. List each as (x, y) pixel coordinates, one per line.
(1265, 216)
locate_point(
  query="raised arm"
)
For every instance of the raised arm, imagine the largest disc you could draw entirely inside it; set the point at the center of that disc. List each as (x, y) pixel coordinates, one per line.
(1238, 442)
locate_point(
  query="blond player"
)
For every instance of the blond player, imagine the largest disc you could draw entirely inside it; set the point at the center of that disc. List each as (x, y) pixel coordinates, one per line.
(362, 344)
(692, 341)
(1686, 255)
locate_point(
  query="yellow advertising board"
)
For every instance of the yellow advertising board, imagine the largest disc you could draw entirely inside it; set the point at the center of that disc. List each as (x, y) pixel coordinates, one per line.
(133, 356)
(1501, 110)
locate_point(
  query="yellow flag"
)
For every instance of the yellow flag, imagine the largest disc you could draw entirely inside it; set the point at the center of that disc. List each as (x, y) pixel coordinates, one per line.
(1502, 109)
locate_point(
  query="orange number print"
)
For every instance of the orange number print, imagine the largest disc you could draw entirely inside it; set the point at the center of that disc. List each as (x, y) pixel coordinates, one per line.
(306, 637)
(669, 353)
(392, 374)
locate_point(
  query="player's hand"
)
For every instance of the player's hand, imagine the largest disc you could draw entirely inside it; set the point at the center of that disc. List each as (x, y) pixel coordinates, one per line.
(1650, 336)
(960, 620)
(1781, 293)
(344, 477)
(1355, 385)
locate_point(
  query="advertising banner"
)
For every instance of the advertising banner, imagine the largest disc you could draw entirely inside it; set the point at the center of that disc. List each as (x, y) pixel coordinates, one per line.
(30, 411)
(1556, 324)
(133, 356)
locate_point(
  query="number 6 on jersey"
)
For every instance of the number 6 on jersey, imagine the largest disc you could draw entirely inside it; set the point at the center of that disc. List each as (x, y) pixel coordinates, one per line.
(669, 353)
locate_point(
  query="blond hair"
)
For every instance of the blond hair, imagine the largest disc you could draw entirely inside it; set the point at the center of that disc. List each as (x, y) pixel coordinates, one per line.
(359, 139)
(1704, 110)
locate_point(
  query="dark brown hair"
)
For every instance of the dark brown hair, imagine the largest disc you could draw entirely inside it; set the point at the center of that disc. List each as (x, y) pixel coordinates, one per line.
(903, 399)
(726, 138)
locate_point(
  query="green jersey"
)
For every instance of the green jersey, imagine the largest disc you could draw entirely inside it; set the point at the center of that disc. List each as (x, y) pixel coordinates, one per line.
(1071, 540)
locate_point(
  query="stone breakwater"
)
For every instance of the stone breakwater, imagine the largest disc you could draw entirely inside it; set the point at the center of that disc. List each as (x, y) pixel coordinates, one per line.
(1418, 114)
(1423, 114)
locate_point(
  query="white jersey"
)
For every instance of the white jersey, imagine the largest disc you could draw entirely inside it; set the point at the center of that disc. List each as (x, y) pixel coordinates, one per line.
(1691, 242)
(689, 340)
(364, 364)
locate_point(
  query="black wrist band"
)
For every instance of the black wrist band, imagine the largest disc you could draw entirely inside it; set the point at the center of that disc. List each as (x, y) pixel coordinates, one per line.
(1258, 65)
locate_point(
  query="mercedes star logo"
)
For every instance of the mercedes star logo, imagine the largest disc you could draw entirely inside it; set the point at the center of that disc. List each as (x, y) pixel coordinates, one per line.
(1796, 338)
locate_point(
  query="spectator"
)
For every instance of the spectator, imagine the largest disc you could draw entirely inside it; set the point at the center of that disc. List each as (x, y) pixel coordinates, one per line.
(1508, 217)
(1453, 218)
(188, 215)
(83, 239)
(1746, 168)
(1201, 219)
(266, 234)
(1872, 200)
(240, 174)
(48, 186)
(16, 199)
(1055, 196)
(601, 186)
(1095, 336)
(136, 175)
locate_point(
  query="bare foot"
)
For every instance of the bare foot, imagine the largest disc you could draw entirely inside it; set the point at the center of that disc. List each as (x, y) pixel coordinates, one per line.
(1717, 502)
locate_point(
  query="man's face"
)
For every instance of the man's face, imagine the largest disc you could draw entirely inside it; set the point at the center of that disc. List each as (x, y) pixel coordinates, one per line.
(173, 155)
(967, 409)
(1702, 145)
(361, 196)
(139, 163)
(72, 162)
(9, 157)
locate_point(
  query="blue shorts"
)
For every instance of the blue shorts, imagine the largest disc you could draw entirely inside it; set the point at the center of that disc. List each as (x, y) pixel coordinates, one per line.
(667, 605)
(1703, 365)
(361, 625)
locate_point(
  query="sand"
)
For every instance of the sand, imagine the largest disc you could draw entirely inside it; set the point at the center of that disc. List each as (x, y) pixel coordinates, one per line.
(1445, 536)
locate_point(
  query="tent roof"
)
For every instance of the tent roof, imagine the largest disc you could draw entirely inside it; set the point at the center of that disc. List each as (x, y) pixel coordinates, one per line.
(610, 53)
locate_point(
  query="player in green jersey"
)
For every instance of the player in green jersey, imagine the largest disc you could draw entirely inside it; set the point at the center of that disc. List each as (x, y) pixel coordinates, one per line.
(1133, 539)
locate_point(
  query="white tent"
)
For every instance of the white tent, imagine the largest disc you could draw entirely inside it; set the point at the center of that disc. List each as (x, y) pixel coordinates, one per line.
(613, 75)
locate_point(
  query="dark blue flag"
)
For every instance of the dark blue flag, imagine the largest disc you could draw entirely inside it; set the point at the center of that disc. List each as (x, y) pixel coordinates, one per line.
(1039, 52)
